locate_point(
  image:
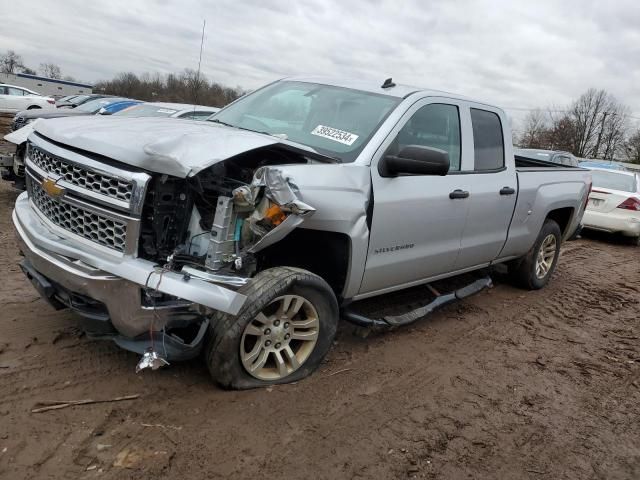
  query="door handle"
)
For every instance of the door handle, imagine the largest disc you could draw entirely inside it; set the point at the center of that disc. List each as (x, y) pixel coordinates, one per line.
(457, 193)
(507, 191)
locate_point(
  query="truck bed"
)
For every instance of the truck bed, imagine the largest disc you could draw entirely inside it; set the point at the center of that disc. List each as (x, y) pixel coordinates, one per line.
(524, 164)
(543, 186)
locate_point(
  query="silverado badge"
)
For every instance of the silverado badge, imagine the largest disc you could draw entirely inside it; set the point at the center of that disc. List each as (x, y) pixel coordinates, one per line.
(49, 185)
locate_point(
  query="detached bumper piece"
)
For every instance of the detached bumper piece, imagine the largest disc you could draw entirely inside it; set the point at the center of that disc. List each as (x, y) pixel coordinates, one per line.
(393, 321)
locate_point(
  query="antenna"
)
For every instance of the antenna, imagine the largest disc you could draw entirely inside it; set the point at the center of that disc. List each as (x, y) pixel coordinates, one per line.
(204, 24)
(388, 83)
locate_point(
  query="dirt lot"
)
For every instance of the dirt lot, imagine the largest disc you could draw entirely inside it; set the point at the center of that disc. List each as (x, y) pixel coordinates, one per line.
(507, 384)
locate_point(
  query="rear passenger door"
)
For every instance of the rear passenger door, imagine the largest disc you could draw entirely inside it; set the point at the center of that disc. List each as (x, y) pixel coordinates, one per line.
(493, 190)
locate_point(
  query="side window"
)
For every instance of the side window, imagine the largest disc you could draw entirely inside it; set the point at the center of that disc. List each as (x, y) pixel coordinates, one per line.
(487, 140)
(15, 91)
(3, 90)
(435, 125)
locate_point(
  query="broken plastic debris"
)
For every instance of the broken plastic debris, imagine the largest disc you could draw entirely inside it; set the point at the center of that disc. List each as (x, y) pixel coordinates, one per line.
(150, 359)
(279, 189)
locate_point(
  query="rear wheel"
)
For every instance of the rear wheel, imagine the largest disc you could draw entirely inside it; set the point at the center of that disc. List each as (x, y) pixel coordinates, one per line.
(33, 107)
(534, 270)
(280, 335)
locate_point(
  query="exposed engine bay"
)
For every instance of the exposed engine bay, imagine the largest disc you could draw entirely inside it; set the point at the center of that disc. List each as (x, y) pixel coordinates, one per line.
(211, 225)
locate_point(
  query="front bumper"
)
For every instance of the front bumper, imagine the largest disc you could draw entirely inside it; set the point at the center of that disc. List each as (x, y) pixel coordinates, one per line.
(115, 282)
(626, 223)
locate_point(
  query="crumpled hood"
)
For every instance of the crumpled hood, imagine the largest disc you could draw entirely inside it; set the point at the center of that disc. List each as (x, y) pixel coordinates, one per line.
(171, 146)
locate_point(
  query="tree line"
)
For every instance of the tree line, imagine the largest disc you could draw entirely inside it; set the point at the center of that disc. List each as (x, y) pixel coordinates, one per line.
(594, 126)
(186, 87)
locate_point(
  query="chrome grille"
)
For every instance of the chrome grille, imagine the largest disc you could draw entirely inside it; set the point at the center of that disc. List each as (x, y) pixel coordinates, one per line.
(97, 182)
(90, 225)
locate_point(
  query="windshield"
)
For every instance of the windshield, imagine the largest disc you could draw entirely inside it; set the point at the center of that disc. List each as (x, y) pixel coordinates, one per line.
(146, 110)
(335, 121)
(93, 106)
(613, 180)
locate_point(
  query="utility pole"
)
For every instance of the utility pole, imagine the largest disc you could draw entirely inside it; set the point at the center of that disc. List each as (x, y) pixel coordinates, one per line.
(597, 149)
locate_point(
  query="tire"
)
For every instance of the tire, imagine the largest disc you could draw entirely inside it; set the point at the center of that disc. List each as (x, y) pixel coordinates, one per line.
(524, 271)
(230, 336)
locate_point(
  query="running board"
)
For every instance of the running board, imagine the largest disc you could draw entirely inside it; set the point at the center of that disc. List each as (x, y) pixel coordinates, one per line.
(391, 321)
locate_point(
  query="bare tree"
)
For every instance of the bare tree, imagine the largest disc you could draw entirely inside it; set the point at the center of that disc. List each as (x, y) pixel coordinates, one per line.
(535, 129)
(50, 70)
(11, 62)
(599, 124)
(562, 134)
(613, 131)
(632, 147)
(29, 71)
(586, 113)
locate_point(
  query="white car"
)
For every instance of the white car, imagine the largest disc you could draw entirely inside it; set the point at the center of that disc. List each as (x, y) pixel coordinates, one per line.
(15, 99)
(173, 110)
(614, 203)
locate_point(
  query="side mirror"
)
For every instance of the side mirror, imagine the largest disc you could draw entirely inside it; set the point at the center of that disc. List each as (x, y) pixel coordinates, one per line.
(415, 160)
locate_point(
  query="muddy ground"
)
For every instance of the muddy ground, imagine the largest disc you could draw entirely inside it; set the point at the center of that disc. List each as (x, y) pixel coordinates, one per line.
(508, 384)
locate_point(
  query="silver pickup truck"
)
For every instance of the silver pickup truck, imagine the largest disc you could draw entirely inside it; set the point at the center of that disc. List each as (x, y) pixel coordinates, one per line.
(246, 238)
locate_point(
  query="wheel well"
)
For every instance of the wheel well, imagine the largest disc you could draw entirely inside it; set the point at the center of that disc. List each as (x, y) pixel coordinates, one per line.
(33, 107)
(324, 253)
(562, 216)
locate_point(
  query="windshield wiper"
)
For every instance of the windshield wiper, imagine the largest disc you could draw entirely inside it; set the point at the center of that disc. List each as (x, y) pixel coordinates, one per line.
(215, 120)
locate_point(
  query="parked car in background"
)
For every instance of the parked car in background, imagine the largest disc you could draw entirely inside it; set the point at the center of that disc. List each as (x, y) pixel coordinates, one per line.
(16, 99)
(87, 108)
(601, 164)
(173, 110)
(80, 99)
(21, 129)
(614, 203)
(65, 100)
(554, 156)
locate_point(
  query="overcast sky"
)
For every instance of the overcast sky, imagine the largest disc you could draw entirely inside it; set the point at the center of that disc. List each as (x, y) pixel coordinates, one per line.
(512, 53)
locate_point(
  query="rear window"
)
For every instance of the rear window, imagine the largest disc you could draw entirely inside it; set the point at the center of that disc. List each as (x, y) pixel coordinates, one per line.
(488, 142)
(614, 181)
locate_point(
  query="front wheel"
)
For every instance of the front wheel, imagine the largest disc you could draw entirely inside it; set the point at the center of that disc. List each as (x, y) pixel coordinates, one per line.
(281, 334)
(534, 270)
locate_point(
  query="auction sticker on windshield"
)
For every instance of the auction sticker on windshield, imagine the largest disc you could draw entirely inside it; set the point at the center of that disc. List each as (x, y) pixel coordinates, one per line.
(334, 134)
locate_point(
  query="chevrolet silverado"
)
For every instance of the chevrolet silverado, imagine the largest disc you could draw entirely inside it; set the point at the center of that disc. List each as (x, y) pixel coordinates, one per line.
(247, 238)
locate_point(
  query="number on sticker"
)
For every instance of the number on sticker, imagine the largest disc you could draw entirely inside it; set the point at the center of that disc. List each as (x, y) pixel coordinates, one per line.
(334, 134)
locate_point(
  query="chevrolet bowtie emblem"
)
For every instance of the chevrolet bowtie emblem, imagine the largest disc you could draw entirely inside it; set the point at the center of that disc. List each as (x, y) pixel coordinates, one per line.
(49, 185)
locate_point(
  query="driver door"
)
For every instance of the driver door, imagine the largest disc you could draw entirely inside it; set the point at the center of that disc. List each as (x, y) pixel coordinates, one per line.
(417, 227)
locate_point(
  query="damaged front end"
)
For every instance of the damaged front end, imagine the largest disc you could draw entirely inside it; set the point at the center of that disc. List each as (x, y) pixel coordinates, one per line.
(211, 226)
(219, 247)
(150, 269)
